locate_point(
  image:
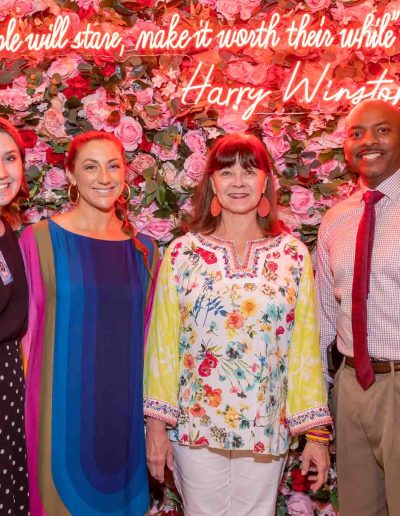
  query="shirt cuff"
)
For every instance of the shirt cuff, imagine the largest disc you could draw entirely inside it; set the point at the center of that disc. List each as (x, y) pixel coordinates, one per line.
(303, 421)
(161, 410)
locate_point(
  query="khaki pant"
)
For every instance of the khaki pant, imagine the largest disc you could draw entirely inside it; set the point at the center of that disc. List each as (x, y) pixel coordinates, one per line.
(368, 444)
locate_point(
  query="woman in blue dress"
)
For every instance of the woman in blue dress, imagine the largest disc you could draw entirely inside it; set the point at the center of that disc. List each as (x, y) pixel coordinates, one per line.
(89, 276)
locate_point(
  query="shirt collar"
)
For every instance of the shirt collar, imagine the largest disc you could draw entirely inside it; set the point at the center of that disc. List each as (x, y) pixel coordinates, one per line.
(390, 187)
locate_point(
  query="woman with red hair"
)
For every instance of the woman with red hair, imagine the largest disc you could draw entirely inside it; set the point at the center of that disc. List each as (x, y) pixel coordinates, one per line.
(232, 368)
(89, 275)
(13, 324)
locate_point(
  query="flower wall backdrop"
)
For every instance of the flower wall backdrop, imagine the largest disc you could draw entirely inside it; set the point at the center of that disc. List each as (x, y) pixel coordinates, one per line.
(52, 95)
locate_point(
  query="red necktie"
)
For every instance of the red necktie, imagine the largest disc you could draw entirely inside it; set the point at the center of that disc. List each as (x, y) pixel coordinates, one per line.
(362, 269)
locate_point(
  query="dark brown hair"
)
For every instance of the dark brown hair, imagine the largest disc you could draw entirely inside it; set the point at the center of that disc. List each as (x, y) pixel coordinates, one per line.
(11, 211)
(251, 153)
(121, 204)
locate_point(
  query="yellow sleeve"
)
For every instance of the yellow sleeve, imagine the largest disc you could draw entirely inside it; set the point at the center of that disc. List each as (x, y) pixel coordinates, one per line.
(161, 365)
(306, 405)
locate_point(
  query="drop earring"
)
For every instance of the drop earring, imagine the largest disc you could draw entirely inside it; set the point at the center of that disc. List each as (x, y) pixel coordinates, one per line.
(215, 207)
(264, 206)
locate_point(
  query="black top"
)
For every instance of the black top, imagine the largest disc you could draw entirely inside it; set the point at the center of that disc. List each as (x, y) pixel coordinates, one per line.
(13, 289)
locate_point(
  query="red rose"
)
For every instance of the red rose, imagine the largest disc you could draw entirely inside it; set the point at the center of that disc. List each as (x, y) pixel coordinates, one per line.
(204, 369)
(86, 13)
(77, 87)
(29, 138)
(145, 145)
(138, 179)
(54, 158)
(108, 69)
(210, 360)
(300, 482)
(280, 330)
(259, 447)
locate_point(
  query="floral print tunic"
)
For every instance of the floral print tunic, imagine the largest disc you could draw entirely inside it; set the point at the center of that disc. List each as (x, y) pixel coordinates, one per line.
(232, 357)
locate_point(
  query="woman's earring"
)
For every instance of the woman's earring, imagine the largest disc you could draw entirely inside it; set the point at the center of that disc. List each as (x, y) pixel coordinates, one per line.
(77, 195)
(264, 206)
(215, 207)
(127, 196)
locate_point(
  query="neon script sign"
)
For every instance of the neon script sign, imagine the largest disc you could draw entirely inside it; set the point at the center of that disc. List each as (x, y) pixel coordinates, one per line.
(273, 33)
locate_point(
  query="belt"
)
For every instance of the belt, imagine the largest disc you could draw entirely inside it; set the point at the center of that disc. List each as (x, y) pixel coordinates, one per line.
(378, 366)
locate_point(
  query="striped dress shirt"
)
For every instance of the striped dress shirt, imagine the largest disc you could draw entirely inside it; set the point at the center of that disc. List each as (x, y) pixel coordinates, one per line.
(335, 266)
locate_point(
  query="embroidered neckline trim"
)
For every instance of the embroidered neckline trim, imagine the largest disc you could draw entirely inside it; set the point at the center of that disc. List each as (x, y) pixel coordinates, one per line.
(235, 267)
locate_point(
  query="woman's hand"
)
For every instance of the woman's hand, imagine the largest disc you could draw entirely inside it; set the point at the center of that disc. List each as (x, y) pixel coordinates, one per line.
(315, 459)
(158, 448)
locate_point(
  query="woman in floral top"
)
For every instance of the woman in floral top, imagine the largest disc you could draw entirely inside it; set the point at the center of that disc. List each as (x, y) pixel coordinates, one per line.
(232, 367)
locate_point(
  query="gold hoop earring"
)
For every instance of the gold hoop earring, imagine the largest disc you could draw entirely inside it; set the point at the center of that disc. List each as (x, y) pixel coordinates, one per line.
(127, 197)
(77, 196)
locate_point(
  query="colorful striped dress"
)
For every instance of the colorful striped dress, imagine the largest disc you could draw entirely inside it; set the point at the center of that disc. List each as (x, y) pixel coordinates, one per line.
(84, 354)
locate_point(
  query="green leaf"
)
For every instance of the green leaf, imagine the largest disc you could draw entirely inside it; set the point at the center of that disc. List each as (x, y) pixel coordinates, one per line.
(32, 173)
(153, 109)
(6, 77)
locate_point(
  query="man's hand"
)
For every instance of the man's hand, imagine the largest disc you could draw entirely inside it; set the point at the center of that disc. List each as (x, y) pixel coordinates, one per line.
(158, 448)
(315, 459)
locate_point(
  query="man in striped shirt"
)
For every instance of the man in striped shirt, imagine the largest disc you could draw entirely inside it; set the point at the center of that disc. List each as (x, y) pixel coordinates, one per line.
(367, 414)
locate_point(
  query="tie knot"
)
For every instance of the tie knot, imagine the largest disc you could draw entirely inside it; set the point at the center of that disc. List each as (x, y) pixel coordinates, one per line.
(372, 196)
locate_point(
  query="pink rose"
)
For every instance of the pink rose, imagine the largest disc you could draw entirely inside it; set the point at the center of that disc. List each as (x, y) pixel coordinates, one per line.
(160, 229)
(299, 504)
(209, 3)
(24, 7)
(141, 162)
(288, 218)
(130, 132)
(232, 122)
(30, 216)
(66, 67)
(229, 8)
(195, 141)
(317, 5)
(53, 123)
(324, 509)
(301, 200)
(16, 98)
(86, 4)
(312, 218)
(247, 7)
(277, 146)
(55, 179)
(36, 155)
(242, 71)
(356, 12)
(194, 167)
(325, 169)
(97, 110)
(170, 174)
(145, 96)
(165, 154)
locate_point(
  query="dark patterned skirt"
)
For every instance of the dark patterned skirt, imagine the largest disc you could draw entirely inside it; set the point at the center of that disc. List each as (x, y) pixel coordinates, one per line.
(14, 496)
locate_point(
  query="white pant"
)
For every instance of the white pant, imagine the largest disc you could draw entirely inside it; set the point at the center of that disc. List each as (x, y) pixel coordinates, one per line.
(226, 483)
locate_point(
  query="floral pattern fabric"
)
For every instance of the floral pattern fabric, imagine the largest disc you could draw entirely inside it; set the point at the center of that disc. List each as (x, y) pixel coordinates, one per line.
(232, 355)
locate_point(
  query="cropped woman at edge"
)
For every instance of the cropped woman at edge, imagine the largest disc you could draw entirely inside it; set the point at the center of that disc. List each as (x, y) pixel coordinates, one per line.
(232, 362)
(89, 275)
(13, 324)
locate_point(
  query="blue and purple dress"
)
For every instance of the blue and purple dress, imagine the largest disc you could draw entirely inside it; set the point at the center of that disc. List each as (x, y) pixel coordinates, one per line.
(84, 355)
